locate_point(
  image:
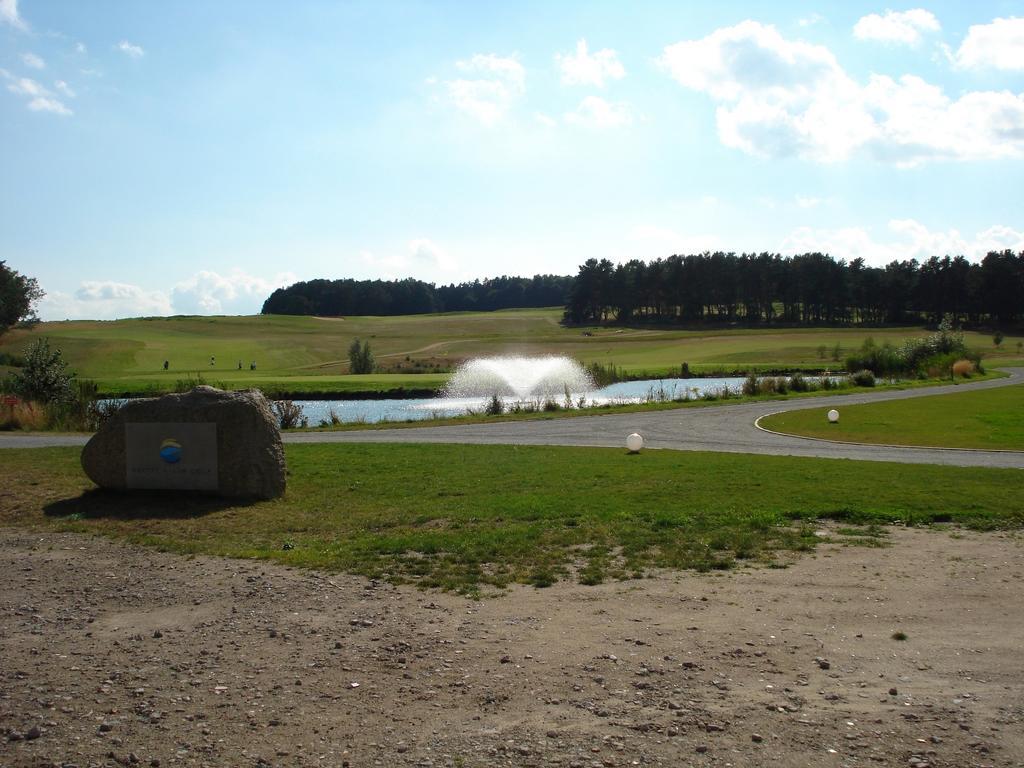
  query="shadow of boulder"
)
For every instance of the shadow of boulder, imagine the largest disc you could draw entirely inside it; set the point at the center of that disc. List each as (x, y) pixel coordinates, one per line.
(141, 505)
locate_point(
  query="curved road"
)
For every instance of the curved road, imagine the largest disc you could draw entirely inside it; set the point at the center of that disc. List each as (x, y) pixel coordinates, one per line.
(727, 428)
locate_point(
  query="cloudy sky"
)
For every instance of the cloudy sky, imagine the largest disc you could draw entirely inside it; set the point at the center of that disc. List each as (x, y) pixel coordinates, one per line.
(188, 157)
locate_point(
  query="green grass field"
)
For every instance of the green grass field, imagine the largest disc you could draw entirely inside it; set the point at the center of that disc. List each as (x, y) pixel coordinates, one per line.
(464, 517)
(991, 419)
(307, 354)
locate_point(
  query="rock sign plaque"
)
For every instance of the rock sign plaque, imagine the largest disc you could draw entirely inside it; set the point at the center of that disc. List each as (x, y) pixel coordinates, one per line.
(176, 455)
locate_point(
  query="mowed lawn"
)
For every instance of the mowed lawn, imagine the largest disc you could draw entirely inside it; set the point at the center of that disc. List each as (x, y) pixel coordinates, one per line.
(992, 419)
(301, 354)
(463, 517)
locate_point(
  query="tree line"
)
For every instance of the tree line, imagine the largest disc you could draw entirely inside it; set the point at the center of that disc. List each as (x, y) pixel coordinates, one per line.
(412, 297)
(749, 288)
(810, 289)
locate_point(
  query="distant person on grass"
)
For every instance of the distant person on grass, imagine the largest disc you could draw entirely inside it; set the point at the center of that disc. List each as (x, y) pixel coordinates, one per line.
(166, 363)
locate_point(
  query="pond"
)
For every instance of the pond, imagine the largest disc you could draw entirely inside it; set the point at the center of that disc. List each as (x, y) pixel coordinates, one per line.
(373, 411)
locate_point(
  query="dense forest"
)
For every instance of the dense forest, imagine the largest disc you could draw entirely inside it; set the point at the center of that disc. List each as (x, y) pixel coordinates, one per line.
(412, 297)
(811, 289)
(752, 289)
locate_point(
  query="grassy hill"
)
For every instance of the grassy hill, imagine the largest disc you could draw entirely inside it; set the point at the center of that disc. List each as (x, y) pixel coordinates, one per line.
(308, 354)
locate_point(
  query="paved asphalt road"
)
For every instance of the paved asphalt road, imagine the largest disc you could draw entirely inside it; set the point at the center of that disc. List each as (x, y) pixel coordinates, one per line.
(728, 427)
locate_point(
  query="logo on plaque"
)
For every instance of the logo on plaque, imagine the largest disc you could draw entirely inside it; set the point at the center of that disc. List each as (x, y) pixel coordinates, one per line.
(175, 455)
(170, 451)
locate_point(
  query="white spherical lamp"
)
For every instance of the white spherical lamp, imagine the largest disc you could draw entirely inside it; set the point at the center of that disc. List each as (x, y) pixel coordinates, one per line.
(833, 416)
(634, 443)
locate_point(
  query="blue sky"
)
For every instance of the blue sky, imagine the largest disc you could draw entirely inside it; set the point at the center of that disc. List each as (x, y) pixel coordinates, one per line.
(188, 157)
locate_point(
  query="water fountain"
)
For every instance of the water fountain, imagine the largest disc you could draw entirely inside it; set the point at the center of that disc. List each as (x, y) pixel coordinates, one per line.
(518, 382)
(522, 378)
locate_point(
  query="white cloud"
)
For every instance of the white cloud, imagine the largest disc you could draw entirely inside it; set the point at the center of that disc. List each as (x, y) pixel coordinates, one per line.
(423, 260)
(997, 238)
(808, 202)
(132, 50)
(32, 61)
(431, 255)
(80, 48)
(749, 57)
(488, 97)
(545, 120)
(39, 98)
(584, 68)
(595, 111)
(999, 45)
(92, 290)
(237, 292)
(9, 15)
(909, 239)
(49, 104)
(203, 293)
(919, 122)
(64, 88)
(653, 242)
(23, 86)
(810, 21)
(897, 27)
(103, 300)
(782, 98)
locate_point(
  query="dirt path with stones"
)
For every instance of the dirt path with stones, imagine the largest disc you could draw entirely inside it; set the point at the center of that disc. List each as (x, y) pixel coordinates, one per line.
(117, 655)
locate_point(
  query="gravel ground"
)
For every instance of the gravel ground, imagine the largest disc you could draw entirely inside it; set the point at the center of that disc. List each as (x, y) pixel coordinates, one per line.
(118, 655)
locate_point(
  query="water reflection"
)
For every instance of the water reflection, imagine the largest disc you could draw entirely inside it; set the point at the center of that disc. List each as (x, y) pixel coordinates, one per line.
(373, 411)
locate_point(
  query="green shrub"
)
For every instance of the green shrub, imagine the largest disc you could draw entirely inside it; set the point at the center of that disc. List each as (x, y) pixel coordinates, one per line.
(885, 360)
(495, 406)
(75, 412)
(932, 355)
(750, 385)
(863, 378)
(44, 377)
(360, 357)
(190, 382)
(798, 383)
(604, 374)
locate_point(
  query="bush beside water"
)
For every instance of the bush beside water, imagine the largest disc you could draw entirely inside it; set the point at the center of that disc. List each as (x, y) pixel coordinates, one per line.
(863, 378)
(933, 356)
(43, 394)
(289, 414)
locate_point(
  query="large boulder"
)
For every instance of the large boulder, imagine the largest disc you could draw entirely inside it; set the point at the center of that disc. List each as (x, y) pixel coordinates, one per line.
(206, 439)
